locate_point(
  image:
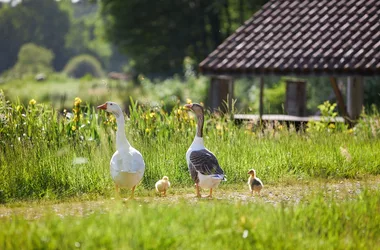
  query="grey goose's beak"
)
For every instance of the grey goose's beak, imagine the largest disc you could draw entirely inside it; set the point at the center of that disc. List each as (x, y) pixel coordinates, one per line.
(188, 106)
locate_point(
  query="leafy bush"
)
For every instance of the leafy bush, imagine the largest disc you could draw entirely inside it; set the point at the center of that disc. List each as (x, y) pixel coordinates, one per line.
(275, 98)
(172, 90)
(82, 65)
(33, 59)
(247, 92)
(328, 118)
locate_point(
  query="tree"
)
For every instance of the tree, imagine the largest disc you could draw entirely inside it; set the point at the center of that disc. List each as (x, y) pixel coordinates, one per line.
(81, 65)
(158, 35)
(42, 22)
(87, 35)
(33, 59)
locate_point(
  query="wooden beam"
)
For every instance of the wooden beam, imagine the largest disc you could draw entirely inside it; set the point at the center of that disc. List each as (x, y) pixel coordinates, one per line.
(261, 104)
(339, 98)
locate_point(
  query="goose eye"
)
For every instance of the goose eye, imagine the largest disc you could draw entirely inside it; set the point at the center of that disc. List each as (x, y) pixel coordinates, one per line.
(111, 104)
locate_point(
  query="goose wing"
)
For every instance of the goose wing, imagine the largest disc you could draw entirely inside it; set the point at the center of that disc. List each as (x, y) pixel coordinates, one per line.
(204, 162)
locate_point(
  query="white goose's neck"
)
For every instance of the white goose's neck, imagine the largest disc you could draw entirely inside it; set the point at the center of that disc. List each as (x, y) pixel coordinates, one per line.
(121, 139)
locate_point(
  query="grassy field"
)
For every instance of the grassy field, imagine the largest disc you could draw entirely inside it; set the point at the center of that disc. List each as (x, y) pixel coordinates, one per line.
(57, 192)
(48, 154)
(319, 219)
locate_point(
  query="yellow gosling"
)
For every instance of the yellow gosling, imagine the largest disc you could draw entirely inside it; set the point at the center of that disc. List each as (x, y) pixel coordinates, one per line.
(162, 185)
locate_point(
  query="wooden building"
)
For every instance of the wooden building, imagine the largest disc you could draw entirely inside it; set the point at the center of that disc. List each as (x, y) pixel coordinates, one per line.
(335, 38)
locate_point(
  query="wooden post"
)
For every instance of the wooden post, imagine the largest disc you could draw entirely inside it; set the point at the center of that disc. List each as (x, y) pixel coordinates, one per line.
(355, 92)
(261, 104)
(339, 99)
(214, 93)
(220, 93)
(295, 102)
(230, 95)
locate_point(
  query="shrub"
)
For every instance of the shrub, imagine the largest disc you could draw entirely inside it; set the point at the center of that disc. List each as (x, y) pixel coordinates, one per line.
(81, 65)
(33, 59)
(328, 114)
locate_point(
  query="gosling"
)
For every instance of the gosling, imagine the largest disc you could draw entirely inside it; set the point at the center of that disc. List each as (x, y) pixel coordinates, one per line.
(162, 185)
(254, 183)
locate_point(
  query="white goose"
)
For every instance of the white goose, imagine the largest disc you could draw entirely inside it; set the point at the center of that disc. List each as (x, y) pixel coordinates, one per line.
(203, 165)
(127, 164)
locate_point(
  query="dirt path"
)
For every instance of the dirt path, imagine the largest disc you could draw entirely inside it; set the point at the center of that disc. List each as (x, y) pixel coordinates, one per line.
(271, 194)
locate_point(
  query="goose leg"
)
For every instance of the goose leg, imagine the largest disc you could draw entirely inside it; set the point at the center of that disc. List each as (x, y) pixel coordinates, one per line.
(132, 194)
(117, 189)
(210, 195)
(197, 188)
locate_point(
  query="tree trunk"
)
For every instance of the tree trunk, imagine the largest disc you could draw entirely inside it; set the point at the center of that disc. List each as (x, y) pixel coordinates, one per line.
(241, 11)
(228, 15)
(214, 19)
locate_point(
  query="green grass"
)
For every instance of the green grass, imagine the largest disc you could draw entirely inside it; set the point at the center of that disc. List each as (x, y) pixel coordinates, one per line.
(59, 90)
(50, 155)
(319, 221)
(56, 187)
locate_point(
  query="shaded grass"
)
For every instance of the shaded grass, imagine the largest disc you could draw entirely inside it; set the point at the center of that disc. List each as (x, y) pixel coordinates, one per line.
(319, 221)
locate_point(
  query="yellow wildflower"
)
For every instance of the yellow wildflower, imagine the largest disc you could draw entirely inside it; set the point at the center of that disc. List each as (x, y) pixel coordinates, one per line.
(179, 111)
(332, 125)
(73, 128)
(18, 108)
(147, 130)
(152, 114)
(141, 77)
(242, 219)
(77, 101)
(188, 100)
(112, 119)
(32, 102)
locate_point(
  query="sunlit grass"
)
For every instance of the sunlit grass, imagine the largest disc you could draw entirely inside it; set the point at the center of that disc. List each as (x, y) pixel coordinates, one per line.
(320, 186)
(46, 154)
(318, 221)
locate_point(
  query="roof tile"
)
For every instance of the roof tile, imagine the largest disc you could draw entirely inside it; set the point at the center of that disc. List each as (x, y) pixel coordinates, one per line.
(303, 37)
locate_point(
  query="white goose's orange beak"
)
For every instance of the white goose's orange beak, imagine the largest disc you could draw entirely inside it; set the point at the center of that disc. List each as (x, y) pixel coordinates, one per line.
(189, 106)
(103, 106)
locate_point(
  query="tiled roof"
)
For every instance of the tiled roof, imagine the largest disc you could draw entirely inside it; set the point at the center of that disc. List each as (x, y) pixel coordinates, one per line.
(332, 37)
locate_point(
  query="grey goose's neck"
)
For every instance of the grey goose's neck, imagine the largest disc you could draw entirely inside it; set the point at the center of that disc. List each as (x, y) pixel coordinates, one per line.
(200, 125)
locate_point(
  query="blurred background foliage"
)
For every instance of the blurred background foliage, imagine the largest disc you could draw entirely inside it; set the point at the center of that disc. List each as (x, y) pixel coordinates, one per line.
(146, 49)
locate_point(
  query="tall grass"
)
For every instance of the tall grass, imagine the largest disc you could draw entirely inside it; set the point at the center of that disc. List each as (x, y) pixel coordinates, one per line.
(49, 154)
(318, 222)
